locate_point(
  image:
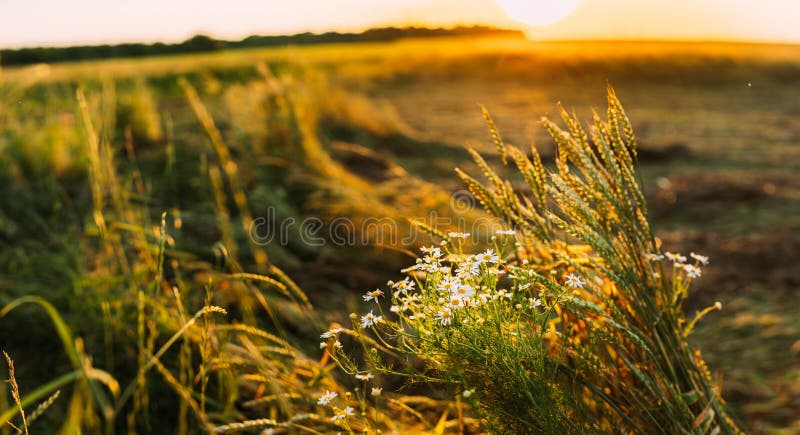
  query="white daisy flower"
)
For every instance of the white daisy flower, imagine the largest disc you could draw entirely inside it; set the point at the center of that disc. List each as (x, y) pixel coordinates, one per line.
(370, 319)
(432, 251)
(463, 291)
(574, 281)
(534, 302)
(448, 284)
(468, 268)
(654, 257)
(701, 258)
(326, 398)
(365, 376)
(691, 271)
(426, 267)
(502, 293)
(346, 412)
(445, 316)
(331, 333)
(431, 259)
(677, 258)
(373, 295)
(403, 286)
(488, 256)
(376, 391)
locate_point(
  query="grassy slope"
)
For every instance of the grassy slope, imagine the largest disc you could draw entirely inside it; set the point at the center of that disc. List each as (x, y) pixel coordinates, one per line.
(719, 122)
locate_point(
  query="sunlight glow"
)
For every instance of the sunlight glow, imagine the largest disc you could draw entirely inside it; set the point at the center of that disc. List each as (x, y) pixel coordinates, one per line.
(538, 12)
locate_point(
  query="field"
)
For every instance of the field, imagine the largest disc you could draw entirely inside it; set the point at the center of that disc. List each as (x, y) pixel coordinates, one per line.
(366, 131)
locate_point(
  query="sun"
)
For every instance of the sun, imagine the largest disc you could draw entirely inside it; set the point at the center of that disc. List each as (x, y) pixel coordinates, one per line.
(538, 12)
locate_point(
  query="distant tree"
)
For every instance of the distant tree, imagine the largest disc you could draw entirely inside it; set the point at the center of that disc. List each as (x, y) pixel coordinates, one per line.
(201, 43)
(204, 43)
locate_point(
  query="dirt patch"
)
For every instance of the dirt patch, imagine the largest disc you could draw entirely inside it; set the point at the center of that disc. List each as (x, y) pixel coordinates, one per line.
(648, 153)
(670, 195)
(366, 163)
(739, 262)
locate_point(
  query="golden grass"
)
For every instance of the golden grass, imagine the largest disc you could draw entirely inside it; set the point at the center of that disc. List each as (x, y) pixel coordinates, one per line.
(410, 52)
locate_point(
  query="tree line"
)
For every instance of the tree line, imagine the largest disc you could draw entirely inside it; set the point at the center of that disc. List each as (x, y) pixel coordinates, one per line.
(205, 43)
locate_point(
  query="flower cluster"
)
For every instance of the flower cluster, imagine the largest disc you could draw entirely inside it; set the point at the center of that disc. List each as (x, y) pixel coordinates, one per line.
(339, 414)
(331, 334)
(448, 293)
(446, 285)
(679, 262)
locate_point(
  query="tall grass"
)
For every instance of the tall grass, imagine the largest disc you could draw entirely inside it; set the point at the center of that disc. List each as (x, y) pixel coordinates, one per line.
(141, 279)
(571, 322)
(140, 312)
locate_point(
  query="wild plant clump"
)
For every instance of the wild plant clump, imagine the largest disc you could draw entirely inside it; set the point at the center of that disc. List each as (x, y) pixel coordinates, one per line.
(572, 321)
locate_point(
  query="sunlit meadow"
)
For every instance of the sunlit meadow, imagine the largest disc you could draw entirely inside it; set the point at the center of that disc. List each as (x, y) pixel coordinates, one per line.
(403, 237)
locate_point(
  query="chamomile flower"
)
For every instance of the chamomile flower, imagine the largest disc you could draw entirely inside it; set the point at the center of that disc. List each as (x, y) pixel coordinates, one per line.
(365, 376)
(505, 232)
(427, 264)
(331, 333)
(403, 286)
(468, 268)
(432, 251)
(448, 284)
(534, 302)
(502, 293)
(574, 281)
(456, 302)
(488, 256)
(376, 391)
(326, 398)
(432, 259)
(654, 257)
(677, 258)
(691, 271)
(346, 412)
(463, 291)
(445, 316)
(370, 319)
(373, 295)
(701, 258)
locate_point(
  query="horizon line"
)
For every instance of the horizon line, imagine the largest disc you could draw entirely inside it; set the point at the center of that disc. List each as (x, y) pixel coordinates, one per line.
(526, 30)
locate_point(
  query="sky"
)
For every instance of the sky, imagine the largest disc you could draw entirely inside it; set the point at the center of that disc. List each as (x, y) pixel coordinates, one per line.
(40, 22)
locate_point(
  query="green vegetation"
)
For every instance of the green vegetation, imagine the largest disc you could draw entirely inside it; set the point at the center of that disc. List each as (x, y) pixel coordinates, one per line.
(129, 188)
(203, 43)
(571, 323)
